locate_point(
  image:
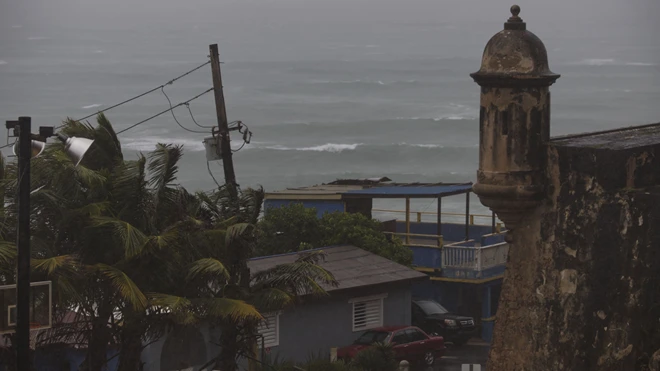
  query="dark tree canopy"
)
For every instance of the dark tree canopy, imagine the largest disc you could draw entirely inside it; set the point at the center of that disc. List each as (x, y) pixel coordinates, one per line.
(295, 228)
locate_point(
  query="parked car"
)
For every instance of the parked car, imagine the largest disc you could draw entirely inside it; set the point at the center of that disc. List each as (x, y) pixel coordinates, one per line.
(434, 319)
(408, 342)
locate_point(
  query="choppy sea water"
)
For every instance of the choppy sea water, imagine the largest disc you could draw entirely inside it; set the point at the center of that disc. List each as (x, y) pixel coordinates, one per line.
(330, 89)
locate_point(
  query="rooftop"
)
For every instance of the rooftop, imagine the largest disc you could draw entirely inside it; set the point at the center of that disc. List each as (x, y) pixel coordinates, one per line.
(370, 188)
(351, 266)
(618, 139)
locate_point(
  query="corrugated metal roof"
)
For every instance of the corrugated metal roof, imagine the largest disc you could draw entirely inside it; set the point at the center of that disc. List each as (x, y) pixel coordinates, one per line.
(376, 190)
(351, 266)
(410, 191)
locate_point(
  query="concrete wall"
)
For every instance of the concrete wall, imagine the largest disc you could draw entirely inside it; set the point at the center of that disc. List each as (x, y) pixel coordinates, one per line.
(584, 264)
(321, 206)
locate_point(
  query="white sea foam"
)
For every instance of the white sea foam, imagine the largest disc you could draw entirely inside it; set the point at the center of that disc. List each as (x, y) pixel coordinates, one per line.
(328, 147)
(595, 62)
(642, 64)
(424, 145)
(92, 106)
(149, 143)
(611, 62)
(38, 38)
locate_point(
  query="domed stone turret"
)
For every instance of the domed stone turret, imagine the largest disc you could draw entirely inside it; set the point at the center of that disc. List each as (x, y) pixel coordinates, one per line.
(515, 54)
(514, 122)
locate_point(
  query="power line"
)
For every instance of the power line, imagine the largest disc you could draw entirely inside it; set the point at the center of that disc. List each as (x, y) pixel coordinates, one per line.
(8, 145)
(143, 94)
(195, 121)
(211, 174)
(165, 111)
(174, 116)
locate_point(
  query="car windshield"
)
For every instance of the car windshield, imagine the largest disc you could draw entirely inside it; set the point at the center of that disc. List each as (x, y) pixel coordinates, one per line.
(431, 307)
(371, 337)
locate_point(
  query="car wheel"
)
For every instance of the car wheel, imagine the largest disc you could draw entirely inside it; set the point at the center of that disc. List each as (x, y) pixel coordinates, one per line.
(429, 358)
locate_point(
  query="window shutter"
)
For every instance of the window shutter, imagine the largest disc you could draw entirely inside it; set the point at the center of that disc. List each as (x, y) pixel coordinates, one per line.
(269, 328)
(367, 314)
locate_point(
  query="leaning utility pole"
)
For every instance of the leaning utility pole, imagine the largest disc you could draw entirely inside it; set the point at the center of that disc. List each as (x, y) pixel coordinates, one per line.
(223, 125)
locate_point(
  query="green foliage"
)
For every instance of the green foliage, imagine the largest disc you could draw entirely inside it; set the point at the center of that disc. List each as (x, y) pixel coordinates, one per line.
(295, 228)
(379, 357)
(287, 229)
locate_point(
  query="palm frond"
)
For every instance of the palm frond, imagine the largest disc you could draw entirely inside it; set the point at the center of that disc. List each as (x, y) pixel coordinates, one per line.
(124, 285)
(131, 238)
(236, 231)
(49, 265)
(172, 302)
(7, 254)
(302, 277)
(163, 169)
(161, 241)
(235, 310)
(208, 266)
(270, 298)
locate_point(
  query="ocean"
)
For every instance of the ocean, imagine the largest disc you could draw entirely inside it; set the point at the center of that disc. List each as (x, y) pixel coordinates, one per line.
(330, 88)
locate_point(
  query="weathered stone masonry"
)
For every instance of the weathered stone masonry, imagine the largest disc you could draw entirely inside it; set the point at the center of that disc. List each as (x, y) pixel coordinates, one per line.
(582, 286)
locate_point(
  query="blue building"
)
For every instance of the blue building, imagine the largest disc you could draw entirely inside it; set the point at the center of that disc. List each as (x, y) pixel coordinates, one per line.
(465, 260)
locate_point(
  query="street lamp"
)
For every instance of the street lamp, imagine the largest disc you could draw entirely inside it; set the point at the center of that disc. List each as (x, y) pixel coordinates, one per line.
(30, 145)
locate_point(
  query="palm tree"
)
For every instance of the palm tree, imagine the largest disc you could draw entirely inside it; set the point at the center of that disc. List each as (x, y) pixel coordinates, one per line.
(132, 254)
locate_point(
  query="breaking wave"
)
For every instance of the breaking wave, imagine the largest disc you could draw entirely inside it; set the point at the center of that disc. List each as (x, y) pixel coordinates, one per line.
(92, 106)
(328, 147)
(365, 82)
(149, 143)
(2, 62)
(610, 62)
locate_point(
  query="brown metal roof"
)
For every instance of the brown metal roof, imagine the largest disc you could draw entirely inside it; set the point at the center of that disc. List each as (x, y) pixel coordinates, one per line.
(351, 266)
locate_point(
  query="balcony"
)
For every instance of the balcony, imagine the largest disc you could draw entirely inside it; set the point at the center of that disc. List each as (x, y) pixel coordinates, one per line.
(463, 250)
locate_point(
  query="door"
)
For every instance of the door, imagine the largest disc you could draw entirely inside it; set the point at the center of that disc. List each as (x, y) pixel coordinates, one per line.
(400, 348)
(418, 344)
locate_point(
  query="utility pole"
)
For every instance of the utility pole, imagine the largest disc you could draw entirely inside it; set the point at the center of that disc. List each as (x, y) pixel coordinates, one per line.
(223, 125)
(24, 126)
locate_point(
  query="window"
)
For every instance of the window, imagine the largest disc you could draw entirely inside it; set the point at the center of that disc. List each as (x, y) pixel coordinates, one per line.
(401, 337)
(367, 312)
(269, 328)
(430, 307)
(371, 337)
(415, 335)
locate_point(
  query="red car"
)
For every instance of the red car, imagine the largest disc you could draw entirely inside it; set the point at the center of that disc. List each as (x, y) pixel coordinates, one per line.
(408, 342)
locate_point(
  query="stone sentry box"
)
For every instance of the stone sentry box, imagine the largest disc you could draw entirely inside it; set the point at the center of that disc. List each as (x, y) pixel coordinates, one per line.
(582, 285)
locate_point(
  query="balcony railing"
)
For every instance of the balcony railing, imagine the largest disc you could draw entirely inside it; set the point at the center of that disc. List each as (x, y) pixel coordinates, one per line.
(418, 240)
(477, 257)
(474, 219)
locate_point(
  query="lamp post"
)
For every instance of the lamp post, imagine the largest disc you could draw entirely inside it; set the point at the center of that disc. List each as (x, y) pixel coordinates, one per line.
(29, 146)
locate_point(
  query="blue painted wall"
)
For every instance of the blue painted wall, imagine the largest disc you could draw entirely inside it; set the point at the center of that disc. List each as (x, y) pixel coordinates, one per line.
(321, 206)
(428, 257)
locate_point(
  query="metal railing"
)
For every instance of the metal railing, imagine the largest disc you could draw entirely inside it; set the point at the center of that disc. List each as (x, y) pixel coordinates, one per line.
(419, 216)
(409, 239)
(477, 258)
